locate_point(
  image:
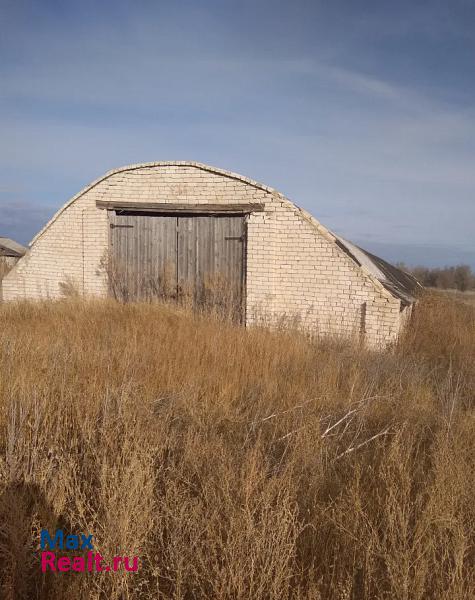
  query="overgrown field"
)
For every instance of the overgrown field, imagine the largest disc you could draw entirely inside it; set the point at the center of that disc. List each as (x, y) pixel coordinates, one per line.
(237, 464)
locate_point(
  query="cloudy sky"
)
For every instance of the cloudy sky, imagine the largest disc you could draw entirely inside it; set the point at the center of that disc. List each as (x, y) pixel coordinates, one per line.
(360, 111)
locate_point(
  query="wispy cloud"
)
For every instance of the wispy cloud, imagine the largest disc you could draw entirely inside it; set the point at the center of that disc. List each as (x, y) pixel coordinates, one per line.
(314, 104)
(20, 219)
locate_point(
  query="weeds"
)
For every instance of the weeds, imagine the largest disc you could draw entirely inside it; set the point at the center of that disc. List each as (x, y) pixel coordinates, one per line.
(236, 463)
(5, 267)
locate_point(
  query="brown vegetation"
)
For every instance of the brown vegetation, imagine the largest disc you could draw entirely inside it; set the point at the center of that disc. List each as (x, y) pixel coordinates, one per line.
(4, 268)
(459, 277)
(239, 464)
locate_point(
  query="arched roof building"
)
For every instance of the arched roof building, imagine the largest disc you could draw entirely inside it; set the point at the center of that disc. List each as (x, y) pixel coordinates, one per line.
(166, 228)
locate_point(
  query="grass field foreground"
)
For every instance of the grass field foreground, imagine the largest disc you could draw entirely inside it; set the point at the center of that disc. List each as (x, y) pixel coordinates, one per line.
(237, 464)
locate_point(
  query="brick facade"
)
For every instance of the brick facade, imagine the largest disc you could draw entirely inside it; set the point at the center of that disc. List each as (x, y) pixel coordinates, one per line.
(295, 269)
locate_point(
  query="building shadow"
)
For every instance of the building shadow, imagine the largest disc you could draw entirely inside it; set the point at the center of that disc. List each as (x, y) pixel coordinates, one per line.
(24, 511)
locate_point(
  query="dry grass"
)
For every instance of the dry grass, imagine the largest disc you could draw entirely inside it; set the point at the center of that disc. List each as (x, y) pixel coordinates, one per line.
(4, 268)
(467, 297)
(238, 464)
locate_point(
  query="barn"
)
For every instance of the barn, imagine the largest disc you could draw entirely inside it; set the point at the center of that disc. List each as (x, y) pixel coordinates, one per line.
(188, 230)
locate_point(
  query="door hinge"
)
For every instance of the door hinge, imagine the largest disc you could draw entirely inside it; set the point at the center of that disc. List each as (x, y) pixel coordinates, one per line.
(114, 226)
(237, 237)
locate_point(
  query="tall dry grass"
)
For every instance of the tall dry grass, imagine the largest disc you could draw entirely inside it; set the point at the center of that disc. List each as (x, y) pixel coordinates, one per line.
(5, 267)
(238, 464)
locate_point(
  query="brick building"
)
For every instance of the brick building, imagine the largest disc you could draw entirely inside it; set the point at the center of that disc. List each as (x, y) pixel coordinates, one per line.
(193, 220)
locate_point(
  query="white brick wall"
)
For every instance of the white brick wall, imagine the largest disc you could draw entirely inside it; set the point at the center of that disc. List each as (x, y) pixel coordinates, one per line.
(295, 270)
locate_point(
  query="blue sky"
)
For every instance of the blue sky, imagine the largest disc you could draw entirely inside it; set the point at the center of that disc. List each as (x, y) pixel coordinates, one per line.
(361, 112)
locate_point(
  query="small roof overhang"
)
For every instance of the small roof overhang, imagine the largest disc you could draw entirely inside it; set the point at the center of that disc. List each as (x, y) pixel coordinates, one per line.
(9, 247)
(173, 208)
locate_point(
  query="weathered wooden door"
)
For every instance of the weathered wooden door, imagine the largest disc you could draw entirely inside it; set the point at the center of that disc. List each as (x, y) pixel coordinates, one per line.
(195, 258)
(143, 256)
(211, 261)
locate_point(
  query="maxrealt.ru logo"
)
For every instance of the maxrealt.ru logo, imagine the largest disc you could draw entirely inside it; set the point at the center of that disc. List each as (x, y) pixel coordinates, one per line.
(90, 560)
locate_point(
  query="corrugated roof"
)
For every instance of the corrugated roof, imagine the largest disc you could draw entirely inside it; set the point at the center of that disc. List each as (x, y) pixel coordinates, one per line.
(9, 247)
(401, 284)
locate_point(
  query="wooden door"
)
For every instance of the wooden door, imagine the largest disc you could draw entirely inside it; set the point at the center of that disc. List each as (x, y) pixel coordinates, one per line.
(198, 258)
(144, 254)
(211, 251)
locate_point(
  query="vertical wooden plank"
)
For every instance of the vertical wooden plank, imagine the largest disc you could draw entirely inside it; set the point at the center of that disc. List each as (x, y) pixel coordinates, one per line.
(182, 255)
(135, 232)
(204, 259)
(165, 250)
